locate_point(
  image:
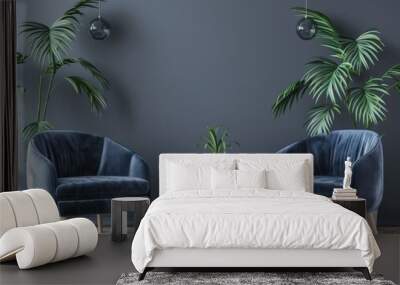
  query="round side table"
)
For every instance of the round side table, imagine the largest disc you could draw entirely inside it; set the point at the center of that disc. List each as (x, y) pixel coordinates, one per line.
(119, 212)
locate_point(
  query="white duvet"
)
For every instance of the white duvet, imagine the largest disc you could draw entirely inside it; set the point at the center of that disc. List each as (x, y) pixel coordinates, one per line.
(250, 219)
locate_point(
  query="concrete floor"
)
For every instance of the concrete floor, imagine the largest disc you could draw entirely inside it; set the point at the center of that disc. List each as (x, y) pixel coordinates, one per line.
(110, 260)
(103, 266)
(389, 262)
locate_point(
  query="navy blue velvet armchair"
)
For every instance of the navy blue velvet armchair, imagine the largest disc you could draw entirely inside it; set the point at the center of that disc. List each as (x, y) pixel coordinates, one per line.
(84, 172)
(330, 151)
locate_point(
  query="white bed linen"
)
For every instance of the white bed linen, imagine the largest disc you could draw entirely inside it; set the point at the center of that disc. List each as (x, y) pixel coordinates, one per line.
(252, 218)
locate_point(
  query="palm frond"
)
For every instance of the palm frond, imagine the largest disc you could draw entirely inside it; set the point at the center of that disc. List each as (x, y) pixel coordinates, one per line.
(83, 86)
(392, 73)
(21, 58)
(288, 96)
(95, 72)
(34, 128)
(73, 13)
(363, 51)
(366, 103)
(320, 119)
(325, 77)
(326, 31)
(397, 87)
(85, 64)
(50, 43)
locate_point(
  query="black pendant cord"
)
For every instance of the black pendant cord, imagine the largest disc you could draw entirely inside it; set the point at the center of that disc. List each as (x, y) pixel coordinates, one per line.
(306, 16)
(99, 15)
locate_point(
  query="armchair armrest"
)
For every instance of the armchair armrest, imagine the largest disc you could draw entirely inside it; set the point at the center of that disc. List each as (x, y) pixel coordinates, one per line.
(297, 147)
(117, 160)
(40, 172)
(139, 168)
(368, 177)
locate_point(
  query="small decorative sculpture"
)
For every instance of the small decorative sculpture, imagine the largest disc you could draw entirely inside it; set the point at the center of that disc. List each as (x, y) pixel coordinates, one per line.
(348, 172)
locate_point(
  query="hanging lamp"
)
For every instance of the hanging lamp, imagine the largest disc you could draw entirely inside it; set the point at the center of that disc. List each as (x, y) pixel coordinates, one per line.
(99, 28)
(306, 28)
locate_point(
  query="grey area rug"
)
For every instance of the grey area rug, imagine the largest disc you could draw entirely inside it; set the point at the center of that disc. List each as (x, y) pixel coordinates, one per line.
(233, 278)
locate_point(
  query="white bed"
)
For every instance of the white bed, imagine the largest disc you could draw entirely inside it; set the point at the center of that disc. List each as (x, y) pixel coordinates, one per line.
(248, 227)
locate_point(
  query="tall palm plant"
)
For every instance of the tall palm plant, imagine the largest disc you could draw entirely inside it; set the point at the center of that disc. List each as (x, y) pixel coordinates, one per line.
(331, 81)
(50, 46)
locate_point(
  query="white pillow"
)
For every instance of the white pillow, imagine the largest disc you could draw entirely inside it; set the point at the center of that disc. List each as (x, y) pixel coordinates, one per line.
(223, 179)
(291, 179)
(281, 174)
(237, 179)
(185, 175)
(251, 178)
(188, 177)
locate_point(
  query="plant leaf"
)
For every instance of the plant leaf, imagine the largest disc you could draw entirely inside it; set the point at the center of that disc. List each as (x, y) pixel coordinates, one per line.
(363, 51)
(320, 119)
(285, 99)
(326, 32)
(50, 43)
(34, 128)
(325, 77)
(73, 13)
(392, 73)
(397, 87)
(83, 86)
(366, 102)
(95, 72)
(91, 68)
(21, 58)
(216, 141)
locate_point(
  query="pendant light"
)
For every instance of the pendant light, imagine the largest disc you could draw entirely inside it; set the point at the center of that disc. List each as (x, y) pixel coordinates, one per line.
(99, 28)
(306, 27)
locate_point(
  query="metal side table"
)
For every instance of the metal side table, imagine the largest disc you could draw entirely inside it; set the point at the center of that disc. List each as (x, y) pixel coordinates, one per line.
(119, 214)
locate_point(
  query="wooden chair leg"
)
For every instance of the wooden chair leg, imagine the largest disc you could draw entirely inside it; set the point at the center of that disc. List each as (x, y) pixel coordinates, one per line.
(364, 271)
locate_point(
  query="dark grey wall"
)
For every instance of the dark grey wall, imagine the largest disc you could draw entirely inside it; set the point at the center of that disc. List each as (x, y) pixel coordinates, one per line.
(177, 66)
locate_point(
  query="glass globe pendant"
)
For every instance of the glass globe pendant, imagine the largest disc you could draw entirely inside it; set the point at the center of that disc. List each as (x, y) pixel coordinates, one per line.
(99, 28)
(306, 28)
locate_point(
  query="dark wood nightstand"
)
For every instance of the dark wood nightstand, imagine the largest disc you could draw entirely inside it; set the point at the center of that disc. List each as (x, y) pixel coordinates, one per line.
(358, 205)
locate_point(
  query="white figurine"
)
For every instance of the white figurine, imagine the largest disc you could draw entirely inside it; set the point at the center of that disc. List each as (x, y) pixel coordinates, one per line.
(348, 172)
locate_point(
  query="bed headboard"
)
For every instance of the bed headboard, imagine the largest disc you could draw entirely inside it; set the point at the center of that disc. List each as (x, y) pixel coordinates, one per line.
(205, 158)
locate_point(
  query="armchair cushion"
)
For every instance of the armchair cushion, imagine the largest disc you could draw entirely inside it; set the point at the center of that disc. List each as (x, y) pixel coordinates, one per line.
(323, 185)
(100, 187)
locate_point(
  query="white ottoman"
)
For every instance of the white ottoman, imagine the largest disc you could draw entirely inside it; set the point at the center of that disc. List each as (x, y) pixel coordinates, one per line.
(31, 230)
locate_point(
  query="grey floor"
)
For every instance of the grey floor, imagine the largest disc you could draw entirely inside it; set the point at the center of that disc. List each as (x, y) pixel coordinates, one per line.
(103, 266)
(110, 260)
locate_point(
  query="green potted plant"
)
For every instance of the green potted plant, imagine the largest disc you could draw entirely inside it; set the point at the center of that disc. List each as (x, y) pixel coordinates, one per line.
(336, 84)
(216, 140)
(50, 46)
